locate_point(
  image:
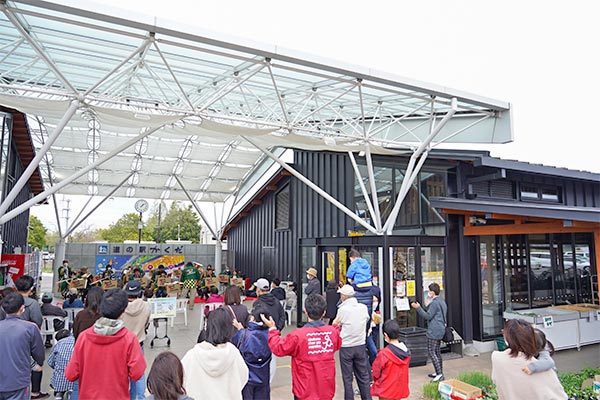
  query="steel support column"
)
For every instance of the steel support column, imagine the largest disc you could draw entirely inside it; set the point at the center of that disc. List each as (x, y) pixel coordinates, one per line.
(33, 164)
(412, 172)
(117, 150)
(314, 187)
(108, 196)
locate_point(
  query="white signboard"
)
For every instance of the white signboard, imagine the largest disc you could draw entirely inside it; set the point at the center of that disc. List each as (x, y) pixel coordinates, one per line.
(548, 321)
(402, 304)
(162, 307)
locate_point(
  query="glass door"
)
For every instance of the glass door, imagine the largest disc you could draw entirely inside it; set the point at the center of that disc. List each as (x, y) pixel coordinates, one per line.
(328, 263)
(404, 285)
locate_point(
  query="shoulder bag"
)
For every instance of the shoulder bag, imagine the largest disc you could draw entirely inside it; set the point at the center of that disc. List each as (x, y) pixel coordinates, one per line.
(448, 332)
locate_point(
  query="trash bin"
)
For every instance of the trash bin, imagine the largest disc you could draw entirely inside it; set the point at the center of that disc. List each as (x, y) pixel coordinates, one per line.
(414, 338)
(501, 344)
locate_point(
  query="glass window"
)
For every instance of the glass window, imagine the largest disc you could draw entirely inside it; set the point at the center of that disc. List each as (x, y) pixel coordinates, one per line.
(583, 272)
(491, 287)
(550, 194)
(529, 192)
(516, 282)
(540, 259)
(433, 184)
(404, 285)
(564, 276)
(432, 269)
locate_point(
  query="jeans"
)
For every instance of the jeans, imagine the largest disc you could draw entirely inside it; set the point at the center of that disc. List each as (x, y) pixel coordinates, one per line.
(75, 392)
(137, 389)
(354, 362)
(255, 391)
(371, 349)
(19, 394)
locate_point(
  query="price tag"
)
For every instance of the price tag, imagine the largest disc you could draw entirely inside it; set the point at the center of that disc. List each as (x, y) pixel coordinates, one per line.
(548, 321)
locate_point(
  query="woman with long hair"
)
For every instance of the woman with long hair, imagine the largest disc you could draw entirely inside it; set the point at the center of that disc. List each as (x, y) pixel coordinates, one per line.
(90, 314)
(215, 362)
(233, 302)
(508, 367)
(165, 380)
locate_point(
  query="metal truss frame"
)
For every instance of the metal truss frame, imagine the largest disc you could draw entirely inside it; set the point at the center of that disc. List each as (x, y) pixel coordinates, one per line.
(163, 71)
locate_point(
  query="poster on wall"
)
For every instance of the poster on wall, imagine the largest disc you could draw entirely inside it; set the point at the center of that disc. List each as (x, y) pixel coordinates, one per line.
(433, 277)
(147, 262)
(410, 288)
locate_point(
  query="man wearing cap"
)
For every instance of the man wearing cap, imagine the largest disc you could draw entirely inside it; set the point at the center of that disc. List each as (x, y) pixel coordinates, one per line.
(49, 309)
(314, 286)
(352, 318)
(136, 318)
(267, 301)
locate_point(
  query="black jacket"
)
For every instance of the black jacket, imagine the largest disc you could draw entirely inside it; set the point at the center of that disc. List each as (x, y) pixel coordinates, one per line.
(279, 293)
(273, 307)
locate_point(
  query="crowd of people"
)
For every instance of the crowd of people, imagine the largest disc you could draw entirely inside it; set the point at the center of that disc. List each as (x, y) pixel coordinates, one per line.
(101, 356)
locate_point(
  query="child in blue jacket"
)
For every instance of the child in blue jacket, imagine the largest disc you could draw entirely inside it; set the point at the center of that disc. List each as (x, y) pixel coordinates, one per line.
(253, 344)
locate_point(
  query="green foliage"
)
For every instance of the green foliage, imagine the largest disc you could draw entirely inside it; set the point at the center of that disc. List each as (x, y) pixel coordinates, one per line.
(126, 228)
(572, 383)
(85, 235)
(37, 233)
(177, 222)
(430, 391)
(51, 240)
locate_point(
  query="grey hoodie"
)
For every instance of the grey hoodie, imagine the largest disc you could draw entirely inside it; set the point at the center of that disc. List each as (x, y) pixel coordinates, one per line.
(33, 311)
(108, 327)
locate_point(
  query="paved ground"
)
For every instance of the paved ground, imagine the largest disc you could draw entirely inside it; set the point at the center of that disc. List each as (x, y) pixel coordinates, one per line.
(184, 337)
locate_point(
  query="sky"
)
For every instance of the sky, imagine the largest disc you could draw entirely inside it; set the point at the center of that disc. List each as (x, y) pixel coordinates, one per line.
(541, 56)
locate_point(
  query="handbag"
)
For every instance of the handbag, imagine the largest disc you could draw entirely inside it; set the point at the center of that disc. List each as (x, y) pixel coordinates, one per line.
(448, 331)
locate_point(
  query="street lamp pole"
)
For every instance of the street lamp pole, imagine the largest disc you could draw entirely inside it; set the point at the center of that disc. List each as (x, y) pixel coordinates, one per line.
(140, 230)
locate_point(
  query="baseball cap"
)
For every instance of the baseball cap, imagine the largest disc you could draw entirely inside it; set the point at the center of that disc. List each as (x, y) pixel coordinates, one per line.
(346, 290)
(133, 288)
(47, 296)
(262, 284)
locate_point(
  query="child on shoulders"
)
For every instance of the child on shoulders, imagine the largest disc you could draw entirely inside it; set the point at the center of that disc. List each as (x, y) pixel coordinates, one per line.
(543, 361)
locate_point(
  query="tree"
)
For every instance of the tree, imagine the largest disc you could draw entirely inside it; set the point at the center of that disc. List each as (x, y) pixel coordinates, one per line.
(51, 239)
(37, 233)
(126, 228)
(176, 223)
(85, 235)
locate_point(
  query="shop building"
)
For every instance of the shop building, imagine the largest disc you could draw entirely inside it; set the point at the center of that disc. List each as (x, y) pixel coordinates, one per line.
(496, 234)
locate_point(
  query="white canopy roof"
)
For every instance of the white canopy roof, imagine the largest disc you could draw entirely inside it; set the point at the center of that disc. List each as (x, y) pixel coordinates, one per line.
(160, 102)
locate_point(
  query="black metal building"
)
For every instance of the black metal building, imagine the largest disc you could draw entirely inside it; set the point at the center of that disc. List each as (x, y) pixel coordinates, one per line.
(476, 224)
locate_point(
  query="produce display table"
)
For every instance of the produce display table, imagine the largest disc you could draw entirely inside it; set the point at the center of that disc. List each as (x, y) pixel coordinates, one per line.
(560, 326)
(588, 323)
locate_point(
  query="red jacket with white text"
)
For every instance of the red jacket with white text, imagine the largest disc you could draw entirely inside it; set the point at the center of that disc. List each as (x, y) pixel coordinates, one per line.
(313, 367)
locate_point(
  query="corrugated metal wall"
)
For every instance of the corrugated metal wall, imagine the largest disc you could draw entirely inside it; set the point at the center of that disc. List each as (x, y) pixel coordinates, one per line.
(311, 216)
(14, 232)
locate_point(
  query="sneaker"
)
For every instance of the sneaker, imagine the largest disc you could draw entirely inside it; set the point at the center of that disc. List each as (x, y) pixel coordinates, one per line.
(433, 375)
(438, 378)
(356, 392)
(40, 395)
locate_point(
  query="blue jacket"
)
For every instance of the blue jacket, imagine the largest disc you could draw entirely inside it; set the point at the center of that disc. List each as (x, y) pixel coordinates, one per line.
(19, 342)
(253, 343)
(359, 271)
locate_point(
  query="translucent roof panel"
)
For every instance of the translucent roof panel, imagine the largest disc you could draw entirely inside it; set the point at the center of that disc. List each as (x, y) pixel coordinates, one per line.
(163, 102)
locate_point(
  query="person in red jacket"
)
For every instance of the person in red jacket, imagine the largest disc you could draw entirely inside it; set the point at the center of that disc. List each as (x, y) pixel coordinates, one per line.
(312, 348)
(107, 356)
(390, 368)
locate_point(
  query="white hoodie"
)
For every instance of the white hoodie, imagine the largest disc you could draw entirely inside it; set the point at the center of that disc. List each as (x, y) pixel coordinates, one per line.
(211, 372)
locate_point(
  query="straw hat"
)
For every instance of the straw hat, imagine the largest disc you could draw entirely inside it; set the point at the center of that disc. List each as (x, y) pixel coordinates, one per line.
(312, 271)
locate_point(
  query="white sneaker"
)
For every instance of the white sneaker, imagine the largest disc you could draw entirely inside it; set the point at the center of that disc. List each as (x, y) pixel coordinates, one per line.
(356, 391)
(438, 378)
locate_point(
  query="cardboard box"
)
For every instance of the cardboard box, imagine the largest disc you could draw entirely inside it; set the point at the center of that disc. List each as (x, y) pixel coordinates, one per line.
(110, 284)
(455, 389)
(237, 282)
(596, 387)
(79, 283)
(223, 278)
(211, 282)
(173, 288)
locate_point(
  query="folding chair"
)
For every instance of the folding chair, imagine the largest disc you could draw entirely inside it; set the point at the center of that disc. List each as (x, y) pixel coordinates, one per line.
(48, 326)
(182, 306)
(210, 306)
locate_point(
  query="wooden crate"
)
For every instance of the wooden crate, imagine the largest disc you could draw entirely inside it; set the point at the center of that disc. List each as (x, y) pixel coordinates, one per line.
(460, 390)
(223, 278)
(211, 282)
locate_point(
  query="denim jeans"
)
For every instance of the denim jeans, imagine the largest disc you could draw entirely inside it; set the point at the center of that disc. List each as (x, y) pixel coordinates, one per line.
(137, 389)
(75, 392)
